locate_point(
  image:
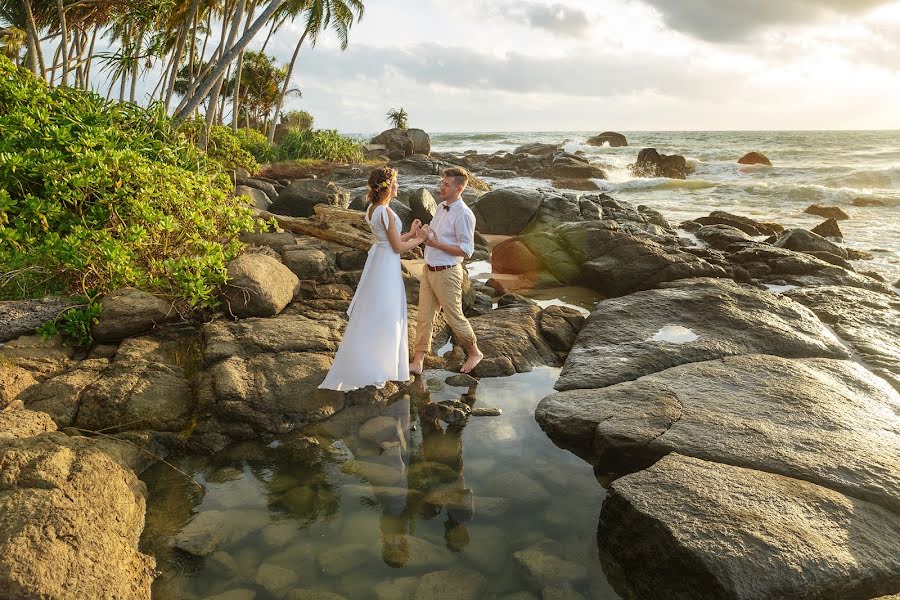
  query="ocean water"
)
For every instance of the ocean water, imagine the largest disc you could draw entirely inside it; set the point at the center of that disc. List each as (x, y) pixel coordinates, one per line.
(808, 167)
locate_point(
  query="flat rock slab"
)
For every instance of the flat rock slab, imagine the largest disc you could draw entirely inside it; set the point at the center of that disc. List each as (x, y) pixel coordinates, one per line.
(690, 321)
(868, 321)
(688, 528)
(827, 421)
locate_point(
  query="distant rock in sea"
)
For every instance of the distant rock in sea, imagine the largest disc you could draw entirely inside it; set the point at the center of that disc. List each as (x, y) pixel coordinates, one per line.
(613, 139)
(754, 158)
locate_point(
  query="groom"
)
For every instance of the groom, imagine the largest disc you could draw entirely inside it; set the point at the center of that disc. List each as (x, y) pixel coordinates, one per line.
(440, 285)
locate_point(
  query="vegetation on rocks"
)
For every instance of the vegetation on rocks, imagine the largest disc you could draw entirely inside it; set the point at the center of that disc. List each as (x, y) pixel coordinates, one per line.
(98, 195)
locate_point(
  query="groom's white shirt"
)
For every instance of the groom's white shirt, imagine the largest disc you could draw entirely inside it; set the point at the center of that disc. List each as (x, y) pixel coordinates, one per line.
(454, 225)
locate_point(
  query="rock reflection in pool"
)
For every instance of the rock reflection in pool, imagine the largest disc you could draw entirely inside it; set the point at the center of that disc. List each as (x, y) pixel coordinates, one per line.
(388, 504)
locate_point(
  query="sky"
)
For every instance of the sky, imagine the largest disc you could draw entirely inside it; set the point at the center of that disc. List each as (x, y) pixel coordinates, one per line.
(534, 65)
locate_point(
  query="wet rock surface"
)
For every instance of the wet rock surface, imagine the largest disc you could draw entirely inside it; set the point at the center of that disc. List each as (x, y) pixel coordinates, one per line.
(867, 321)
(701, 319)
(835, 423)
(689, 528)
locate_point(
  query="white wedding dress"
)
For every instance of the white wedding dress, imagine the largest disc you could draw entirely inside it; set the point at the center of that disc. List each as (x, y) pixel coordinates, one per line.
(375, 347)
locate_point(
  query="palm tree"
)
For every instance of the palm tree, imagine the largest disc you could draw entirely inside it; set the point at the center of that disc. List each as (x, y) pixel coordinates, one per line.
(320, 14)
(398, 118)
(189, 104)
(12, 40)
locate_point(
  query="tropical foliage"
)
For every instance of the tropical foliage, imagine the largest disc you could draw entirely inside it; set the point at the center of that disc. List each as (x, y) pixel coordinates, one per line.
(398, 118)
(97, 195)
(196, 50)
(325, 144)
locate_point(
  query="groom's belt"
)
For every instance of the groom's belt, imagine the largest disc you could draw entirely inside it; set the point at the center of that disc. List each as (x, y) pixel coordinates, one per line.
(440, 268)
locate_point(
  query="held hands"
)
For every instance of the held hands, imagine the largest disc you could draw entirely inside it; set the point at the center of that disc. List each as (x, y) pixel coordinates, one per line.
(423, 233)
(414, 228)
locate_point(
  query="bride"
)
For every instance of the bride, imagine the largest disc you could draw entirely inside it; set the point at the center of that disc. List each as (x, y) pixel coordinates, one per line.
(374, 349)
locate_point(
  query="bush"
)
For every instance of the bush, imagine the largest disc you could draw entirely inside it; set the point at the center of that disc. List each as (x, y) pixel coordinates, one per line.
(299, 119)
(256, 144)
(222, 145)
(97, 195)
(325, 144)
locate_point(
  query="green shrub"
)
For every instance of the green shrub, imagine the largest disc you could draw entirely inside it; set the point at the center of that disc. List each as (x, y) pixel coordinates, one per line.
(297, 118)
(222, 145)
(257, 145)
(325, 144)
(98, 195)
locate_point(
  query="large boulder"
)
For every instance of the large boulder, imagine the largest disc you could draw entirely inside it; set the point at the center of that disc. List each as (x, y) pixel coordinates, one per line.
(258, 198)
(404, 141)
(512, 341)
(801, 240)
(828, 228)
(71, 519)
(830, 422)
(745, 224)
(754, 158)
(127, 312)
(299, 198)
(22, 317)
(689, 321)
(421, 203)
(608, 138)
(513, 256)
(146, 386)
(506, 211)
(690, 528)
(258, 286)
(262, 375)
(651, 163)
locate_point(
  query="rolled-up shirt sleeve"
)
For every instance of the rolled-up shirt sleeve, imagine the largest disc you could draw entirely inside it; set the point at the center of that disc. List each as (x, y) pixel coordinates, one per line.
(465, 232)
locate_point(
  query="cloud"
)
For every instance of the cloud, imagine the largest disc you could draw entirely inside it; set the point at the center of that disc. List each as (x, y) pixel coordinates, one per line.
(556, 18)
(583, 73)
(731, 20)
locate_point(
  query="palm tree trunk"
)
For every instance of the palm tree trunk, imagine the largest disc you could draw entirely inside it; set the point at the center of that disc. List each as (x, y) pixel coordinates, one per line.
(136, 63)
(217, 86)
(64, 31)
(54, 64)
(268, 37)
(227, 58)
(36, 56)
(90, 52)
(236, 104)
(179, 48)
(284, 88)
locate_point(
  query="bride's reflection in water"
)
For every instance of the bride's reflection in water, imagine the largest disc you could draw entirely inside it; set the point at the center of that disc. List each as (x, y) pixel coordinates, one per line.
(431, 458)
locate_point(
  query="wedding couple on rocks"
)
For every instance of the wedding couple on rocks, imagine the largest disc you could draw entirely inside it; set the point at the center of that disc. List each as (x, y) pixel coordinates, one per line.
(374, 349)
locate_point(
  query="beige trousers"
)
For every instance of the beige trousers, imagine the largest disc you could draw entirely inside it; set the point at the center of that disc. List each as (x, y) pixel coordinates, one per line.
(442, 289)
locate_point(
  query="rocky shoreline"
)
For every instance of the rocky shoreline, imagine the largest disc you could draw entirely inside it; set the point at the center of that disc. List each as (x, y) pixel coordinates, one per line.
(741, 429)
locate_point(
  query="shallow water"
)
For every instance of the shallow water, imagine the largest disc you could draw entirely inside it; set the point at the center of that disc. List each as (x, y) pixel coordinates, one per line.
(435, 499)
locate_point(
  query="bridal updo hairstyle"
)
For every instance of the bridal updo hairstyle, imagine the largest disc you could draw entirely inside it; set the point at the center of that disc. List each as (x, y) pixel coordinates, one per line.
(381, 179)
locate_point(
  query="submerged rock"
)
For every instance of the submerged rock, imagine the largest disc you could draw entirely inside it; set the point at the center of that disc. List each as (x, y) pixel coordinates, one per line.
(651, 163)
(827, 212)
(691, 528)
(610, 138)
(754, 158)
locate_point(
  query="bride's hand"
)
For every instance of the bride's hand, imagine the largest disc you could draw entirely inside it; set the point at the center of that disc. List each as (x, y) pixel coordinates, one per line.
(414, 228)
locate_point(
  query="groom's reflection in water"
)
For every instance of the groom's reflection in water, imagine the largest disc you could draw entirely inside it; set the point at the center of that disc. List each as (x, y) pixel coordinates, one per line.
(434, 478)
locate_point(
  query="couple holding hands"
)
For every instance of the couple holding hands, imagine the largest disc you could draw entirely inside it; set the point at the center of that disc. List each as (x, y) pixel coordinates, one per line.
(374, 349)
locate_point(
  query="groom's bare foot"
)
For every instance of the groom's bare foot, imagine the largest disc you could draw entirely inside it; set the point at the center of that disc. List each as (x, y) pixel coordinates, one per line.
(415, 368)
(472, 361)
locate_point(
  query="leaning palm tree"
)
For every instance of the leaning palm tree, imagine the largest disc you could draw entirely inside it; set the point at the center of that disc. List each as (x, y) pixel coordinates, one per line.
(398, 117)
(339, 15)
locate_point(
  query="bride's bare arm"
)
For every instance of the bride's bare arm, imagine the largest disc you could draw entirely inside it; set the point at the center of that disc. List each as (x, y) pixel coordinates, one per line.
(396, 239)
